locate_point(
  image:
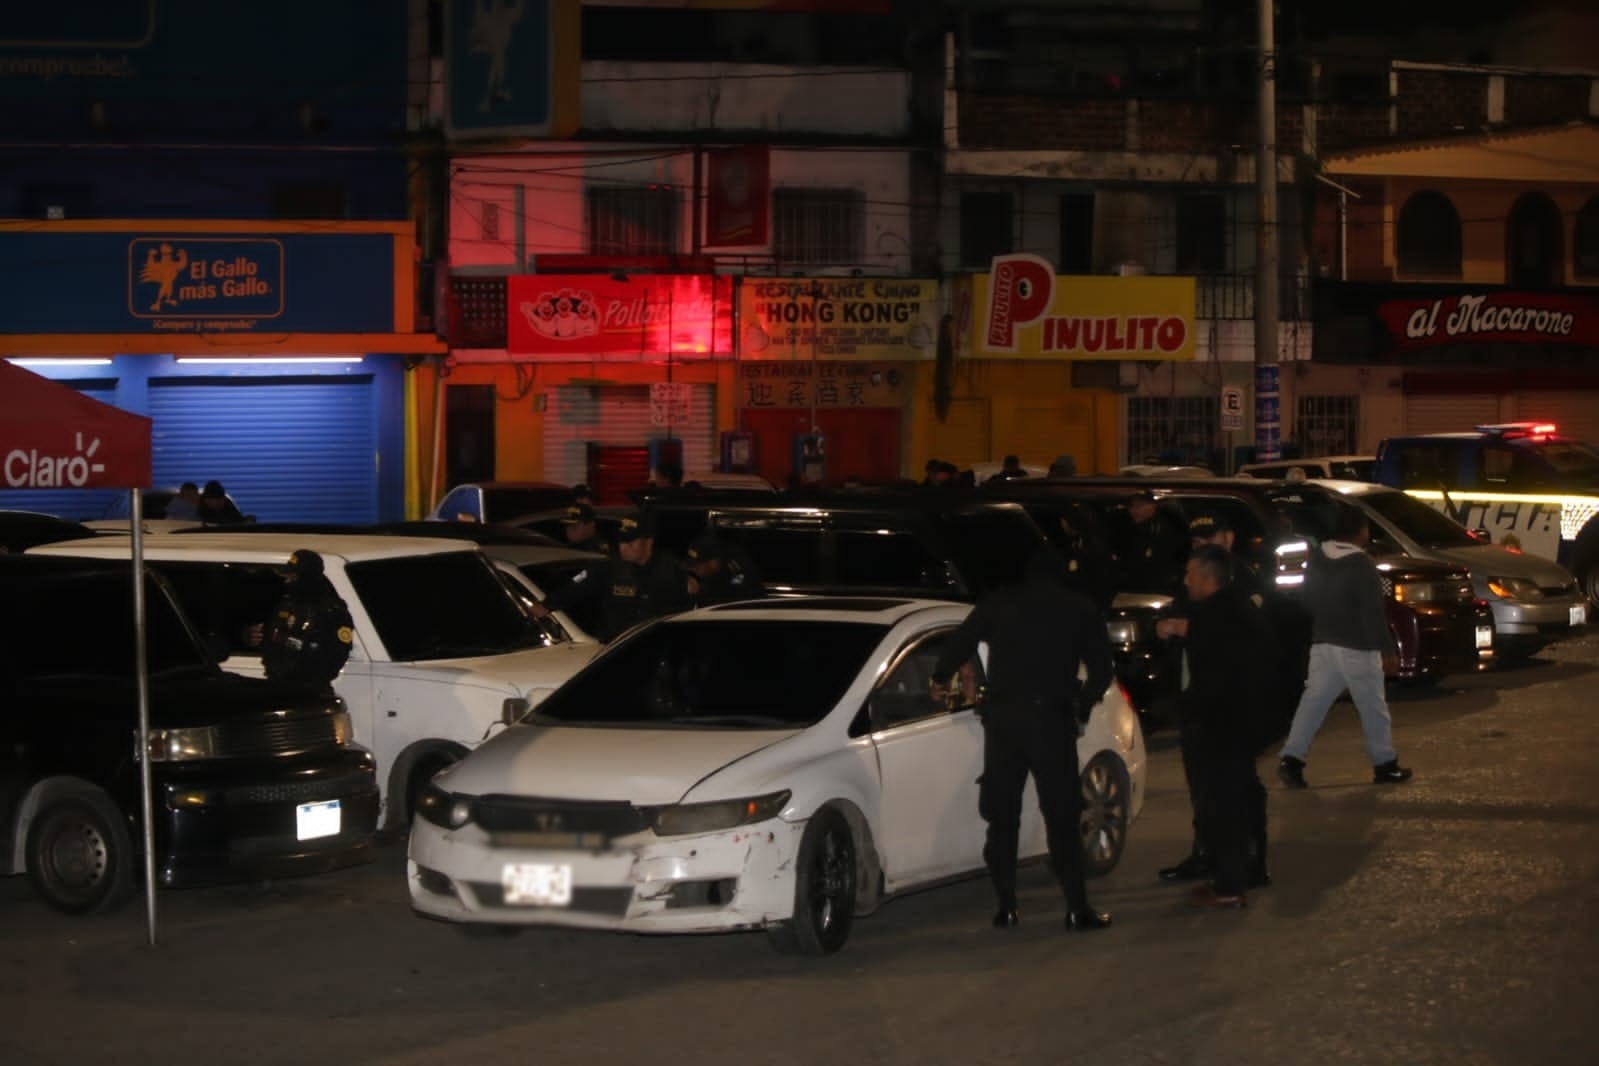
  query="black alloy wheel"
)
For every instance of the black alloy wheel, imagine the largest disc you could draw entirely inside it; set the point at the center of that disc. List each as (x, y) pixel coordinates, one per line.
(1106, 810)
(824, 888)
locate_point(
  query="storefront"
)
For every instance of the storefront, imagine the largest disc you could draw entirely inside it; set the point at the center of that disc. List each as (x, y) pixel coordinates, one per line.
(1468, 355)
(1038, 358)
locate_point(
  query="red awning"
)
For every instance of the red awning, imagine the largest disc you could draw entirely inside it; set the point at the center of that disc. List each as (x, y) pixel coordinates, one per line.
(54, 437)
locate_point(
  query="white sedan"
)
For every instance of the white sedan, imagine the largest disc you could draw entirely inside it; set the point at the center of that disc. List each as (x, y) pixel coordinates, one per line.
(771, 765)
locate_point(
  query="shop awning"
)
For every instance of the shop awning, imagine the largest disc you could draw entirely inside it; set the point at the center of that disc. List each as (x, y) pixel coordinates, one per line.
(54, 437)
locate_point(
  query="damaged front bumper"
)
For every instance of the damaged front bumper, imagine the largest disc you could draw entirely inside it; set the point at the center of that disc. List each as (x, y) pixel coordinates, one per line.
(736, 879)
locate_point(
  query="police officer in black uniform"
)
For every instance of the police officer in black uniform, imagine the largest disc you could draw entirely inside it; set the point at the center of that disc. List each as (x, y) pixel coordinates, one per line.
(1151, 554)
(720, 572)
(310, 635)
(581, 528)
(1038, 633)
(1089, 566)
(639, 583)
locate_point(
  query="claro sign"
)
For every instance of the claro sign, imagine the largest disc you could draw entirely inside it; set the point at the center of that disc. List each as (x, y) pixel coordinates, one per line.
(1023, 310)
(30, 468)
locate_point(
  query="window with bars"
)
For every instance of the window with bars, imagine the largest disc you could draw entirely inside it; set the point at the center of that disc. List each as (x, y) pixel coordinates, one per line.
(1327, 425)
(491, 221)
(818, 227)
(1201, 233)
(633, 219)
(476, 312)
(1172, 429)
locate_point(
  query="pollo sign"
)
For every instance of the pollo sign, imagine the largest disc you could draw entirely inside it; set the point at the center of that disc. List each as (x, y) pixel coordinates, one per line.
(1022, 310)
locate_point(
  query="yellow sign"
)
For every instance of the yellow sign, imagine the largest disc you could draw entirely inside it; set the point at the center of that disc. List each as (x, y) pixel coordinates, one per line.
(1022, 310)
(837, 318)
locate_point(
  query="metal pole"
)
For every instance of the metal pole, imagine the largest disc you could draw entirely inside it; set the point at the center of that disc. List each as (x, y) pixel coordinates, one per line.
(141, 673)
(1268, 416)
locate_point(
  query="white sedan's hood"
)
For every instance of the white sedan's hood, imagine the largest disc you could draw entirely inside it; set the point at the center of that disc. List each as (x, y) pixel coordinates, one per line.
(534, 672)
(1492, 560)
(641, 766)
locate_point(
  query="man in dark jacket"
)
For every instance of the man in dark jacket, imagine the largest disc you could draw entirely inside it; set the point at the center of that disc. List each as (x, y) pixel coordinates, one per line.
(582, 531)
(720, 572)
(1224, 696)
(639, 583)
(1351, 649)
(1038, 634)
(310, 635)
(1150, 553)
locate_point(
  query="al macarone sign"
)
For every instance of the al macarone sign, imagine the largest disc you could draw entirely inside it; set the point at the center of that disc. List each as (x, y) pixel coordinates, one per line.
(648, 317)
(1022, 309)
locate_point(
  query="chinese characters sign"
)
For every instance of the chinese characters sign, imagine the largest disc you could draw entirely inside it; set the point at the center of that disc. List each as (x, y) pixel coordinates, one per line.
(594, 316)
(1022, 310)
(838, 318)
(829, 384)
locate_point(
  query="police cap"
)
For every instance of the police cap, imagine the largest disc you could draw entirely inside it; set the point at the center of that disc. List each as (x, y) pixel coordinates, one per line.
(635, 525)
(577, 514)
(705, 546)
(1205, 526)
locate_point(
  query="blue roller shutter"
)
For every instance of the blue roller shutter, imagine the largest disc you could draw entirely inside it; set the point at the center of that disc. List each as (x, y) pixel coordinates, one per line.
(286, 449)
(79, 504)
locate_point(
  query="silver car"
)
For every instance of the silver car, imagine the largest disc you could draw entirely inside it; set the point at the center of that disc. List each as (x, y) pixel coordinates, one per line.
(1534, 601)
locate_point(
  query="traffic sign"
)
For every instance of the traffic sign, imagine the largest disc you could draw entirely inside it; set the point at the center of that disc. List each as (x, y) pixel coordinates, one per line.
(1232, 409)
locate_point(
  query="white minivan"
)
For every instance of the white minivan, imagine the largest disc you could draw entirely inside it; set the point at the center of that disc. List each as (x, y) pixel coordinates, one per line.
(443, 655)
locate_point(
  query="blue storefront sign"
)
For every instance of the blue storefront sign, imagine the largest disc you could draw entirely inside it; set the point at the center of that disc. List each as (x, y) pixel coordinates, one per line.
(178, 281)
(511, 67)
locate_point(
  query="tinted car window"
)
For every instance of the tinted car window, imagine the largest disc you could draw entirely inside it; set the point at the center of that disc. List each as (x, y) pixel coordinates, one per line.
(784, 557)
(886, 559)
(446, 606)
(730, 675)
(464, 503)
(1355, 470)
(82, 625)
(903, 694)
(1420, 523)
(1569, 459)
(226, 600)
(1427, 465)
(508, 503)
(676, 528)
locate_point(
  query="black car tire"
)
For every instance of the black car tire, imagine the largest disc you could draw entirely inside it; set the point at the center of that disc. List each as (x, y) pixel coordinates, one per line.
(824, 889)
(79, 854)
(1107, 799)
(422, 772)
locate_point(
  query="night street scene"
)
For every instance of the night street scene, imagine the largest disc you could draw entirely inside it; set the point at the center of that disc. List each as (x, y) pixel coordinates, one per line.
(799, 531)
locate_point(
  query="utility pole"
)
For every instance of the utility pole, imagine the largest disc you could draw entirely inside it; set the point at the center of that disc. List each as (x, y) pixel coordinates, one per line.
(1268, 399)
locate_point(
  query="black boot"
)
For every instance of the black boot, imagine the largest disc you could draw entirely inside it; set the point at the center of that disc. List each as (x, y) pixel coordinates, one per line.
(1195, 867)
(1084, 919)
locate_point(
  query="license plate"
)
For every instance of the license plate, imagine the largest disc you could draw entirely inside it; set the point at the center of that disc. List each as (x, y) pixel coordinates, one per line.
(1579, 615)
(537, 884)
(1485, 636)
(313, 820)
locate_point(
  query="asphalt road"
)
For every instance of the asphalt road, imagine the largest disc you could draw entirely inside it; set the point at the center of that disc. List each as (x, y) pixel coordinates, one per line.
(1454, 919)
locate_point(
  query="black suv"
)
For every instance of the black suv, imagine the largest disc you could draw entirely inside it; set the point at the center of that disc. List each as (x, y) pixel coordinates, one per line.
(252, 778)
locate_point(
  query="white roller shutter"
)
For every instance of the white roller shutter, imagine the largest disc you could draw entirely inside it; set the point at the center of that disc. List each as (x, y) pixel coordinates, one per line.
(1449, 414)
(620, 414)
(1576, 412)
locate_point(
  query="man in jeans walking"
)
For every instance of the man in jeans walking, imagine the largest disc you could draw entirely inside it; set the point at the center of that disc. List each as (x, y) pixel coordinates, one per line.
(1350, 648)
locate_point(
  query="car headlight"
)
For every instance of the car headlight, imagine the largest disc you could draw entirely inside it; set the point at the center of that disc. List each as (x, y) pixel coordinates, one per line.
(443, 808)
(1417, 591)
(683, 819)
(343, 730)
(1122, 630)
(1514, 588)
(183, 745)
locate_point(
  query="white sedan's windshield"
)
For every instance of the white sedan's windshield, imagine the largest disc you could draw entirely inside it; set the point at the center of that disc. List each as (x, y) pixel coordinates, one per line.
(730, 674)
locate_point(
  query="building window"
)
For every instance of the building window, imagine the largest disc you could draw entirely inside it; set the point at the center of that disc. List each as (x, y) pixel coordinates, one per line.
(1077, 233)
(491, 221)
(818, 227)
(1585, 252)
(1172, 429)
(1201, 233)
(1429, 235)
(1327, 425)
(986, 221)
(1533, 245)
(309, 199)
(475, 314)
(632, 219)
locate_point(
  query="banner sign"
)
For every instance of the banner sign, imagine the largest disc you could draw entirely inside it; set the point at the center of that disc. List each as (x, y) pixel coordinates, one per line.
(737, 195)
(1423, 323)
(838, 318)
(806, 384)
(167, 280)
(561, 317)
(1022, 310)
(511, 68)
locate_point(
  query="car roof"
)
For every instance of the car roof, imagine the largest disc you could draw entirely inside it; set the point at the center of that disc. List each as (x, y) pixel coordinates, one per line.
(928, 500)
(260, 547)
(537, 554)
(1352, 488)
(886, 609)
(1312, 459)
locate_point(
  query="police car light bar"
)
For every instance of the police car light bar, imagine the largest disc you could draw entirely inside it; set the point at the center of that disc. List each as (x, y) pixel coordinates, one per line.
(1519, 429)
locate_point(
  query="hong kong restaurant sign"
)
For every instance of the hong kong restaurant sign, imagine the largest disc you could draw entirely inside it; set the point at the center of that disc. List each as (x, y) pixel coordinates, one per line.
(1421, 324)
(1023, 310)
(838, 318)
(649, 317)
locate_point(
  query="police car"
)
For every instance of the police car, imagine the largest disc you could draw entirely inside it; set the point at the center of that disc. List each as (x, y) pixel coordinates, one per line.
(1520, 484)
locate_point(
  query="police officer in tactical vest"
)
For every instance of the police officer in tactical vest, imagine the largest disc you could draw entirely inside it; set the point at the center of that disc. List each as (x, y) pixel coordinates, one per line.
(639, 583)
(310, 635)
(720, 572)
(581, 528)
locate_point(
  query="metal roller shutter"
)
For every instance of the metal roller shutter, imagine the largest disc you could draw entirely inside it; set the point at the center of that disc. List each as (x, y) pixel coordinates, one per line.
(286, 449)
(1576, 413)
(1449, 413)
(620, 414)
(80, 504)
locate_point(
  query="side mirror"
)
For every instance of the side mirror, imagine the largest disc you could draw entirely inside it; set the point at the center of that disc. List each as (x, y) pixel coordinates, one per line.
(514, 709)
(1483, 535)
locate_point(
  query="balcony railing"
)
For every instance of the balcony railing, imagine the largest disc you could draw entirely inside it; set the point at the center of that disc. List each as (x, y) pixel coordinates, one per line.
(1232, 296)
